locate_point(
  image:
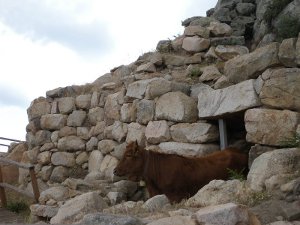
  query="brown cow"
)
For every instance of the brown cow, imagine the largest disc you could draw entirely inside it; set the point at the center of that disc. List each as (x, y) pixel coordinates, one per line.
(175, 176)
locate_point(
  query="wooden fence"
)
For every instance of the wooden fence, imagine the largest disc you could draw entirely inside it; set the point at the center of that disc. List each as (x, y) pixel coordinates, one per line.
(3, 161)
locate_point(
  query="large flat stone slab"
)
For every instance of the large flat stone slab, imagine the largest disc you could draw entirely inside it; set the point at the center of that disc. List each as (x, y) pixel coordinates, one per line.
(249, 66)
(235, 98)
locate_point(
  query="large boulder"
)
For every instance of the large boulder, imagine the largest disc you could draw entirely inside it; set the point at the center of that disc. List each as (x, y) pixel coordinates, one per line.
(156, 203)
(95, 160)
(59, 174)
(119, 131)
(226, 214)
(66, 105)
(280, 88)
(96, 115)
(63, 159)
(110, 219)
(263, 168)
(136, 132)
(271, 127)
(195, 44)
(76, 118)
(128, 112)
(157, 131)
(219, 192)
(74, 209)
(287, 52)
(174, 220)
(145, 111)
(45, 211)
(194, 132)
(150, 88)
(57, 193)
(249, 66)
(53, 121)
(298, 51)
(38, 108)
(113, 105)
(235, 98)
(71, 143)
(176, 106)
(226, 52)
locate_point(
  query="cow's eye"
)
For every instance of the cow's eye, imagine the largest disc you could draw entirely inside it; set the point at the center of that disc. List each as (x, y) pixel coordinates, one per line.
(129, 156)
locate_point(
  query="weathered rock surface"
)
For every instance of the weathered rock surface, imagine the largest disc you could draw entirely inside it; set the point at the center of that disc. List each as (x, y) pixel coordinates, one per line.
(281, 88)
(219, 192)
(226, 214)
(74, 209)
(63, 159)
(174, 220)
(136, 132)
(232, 99)
(195, 44)
(157, 131)
(83, 101)
(37, 109)
(227, 52)
(287, 52)
(53, 121)
(76, 118)
(261, 123)
(156, 203)
(71, 143)
(287, 161)
(95, 160)
(43, 210)
(249, 66)
(194, 132)
(57, 193)
(176, 106)
(66, 105)
(145, 111)
(104, 218)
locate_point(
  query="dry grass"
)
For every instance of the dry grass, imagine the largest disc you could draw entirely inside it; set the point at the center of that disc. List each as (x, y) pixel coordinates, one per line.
(19, 204)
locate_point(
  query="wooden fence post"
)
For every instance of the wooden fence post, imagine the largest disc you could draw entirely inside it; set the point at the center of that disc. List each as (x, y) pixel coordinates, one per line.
(2, 191)
(35, 186)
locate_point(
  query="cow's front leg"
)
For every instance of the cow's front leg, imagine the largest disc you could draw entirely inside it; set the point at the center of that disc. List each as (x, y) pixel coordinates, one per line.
(152, 190)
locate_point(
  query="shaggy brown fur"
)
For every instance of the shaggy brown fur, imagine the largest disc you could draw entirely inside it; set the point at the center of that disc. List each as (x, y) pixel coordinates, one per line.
(175, 176)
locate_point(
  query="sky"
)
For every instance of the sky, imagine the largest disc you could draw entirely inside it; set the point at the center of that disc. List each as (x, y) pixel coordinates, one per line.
(46, 44)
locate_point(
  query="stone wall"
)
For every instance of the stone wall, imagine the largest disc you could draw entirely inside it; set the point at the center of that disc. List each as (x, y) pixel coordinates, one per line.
(157, 100)
(168, 101)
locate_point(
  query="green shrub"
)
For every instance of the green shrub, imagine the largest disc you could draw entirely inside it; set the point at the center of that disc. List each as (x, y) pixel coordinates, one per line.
(293, 142)
(195, 72)
(233, 174)
(288, 27)
(17, 207)
(275, 8)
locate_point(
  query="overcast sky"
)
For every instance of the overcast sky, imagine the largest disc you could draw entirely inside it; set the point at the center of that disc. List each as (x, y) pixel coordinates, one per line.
(45, 44)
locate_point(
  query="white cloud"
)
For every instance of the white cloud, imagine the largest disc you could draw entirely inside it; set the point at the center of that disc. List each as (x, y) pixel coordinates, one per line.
(13, 122)
(55, 43)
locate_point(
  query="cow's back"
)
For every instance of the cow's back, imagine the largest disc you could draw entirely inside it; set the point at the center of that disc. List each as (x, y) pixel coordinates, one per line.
(179, 177)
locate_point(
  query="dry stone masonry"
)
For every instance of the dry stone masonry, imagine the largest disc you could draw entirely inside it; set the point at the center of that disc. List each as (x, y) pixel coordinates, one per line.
(169, 101)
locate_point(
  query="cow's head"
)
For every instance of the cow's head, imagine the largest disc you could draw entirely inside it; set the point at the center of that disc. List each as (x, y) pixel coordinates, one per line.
(132, 163)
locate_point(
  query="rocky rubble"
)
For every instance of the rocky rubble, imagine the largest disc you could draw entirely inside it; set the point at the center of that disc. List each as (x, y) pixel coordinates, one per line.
(169, 101)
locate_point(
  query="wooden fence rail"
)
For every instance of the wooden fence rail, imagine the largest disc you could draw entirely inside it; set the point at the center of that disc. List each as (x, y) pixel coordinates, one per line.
(36, 192)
